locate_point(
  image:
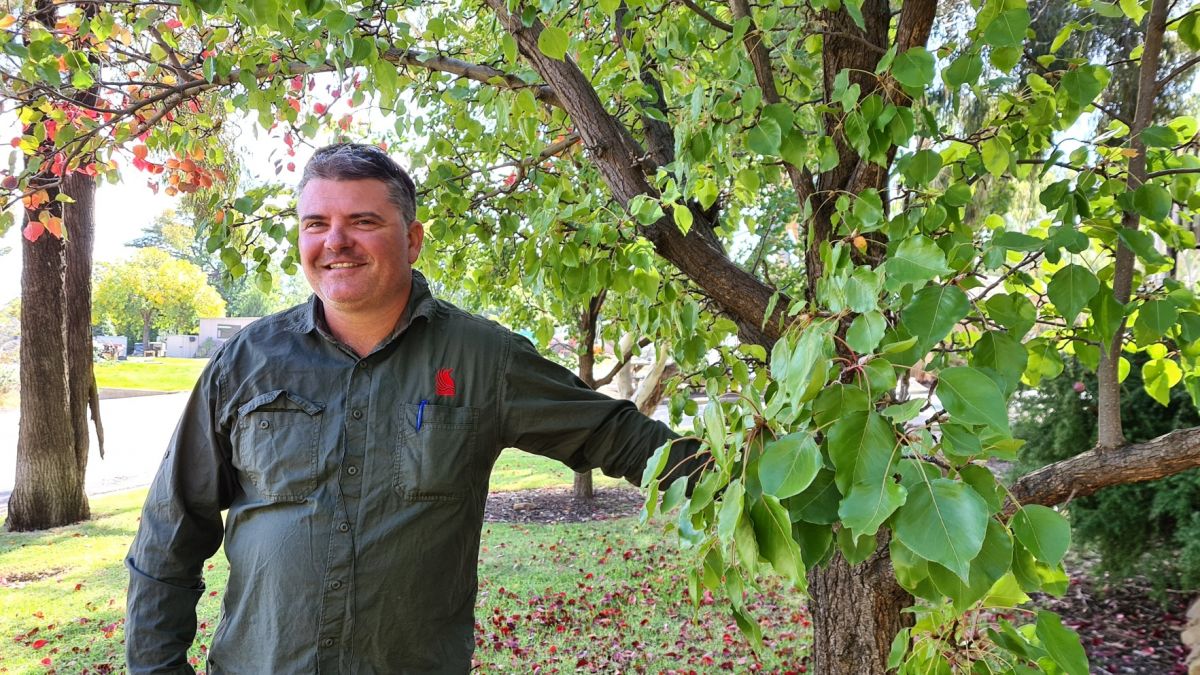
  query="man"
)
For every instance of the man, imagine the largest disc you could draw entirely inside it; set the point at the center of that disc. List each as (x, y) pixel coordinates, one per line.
(350, 439)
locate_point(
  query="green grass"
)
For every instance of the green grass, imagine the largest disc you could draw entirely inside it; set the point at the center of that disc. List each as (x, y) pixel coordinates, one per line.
(601, 597)
(158, 374)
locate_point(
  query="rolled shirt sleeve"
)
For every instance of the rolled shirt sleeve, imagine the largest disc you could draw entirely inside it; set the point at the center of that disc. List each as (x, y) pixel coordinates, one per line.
(545, 409)
(180, 528)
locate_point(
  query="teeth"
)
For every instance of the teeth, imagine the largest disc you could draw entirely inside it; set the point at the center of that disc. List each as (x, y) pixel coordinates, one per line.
(339, 266)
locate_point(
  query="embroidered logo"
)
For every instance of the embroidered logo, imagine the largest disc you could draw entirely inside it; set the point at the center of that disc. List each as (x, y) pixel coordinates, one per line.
(444, 382)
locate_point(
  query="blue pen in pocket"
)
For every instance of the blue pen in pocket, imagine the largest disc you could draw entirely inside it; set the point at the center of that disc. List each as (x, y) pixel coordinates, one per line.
(421, 413)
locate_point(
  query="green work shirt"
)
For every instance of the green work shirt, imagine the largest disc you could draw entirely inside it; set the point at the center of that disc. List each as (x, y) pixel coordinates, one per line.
(355, 490)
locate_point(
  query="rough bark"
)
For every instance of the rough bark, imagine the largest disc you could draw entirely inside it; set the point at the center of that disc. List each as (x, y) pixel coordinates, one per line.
(48, 489)
(1102, 467)
(859, 613)
(77, 297)
(1108, 429)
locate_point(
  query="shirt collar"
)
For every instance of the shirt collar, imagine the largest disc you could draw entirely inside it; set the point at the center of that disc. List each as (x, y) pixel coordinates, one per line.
(421, 304)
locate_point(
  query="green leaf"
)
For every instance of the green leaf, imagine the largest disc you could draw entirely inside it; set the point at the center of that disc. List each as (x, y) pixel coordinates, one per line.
(943, 521)
(1070, 289)
(819, 501)
(994, 154)
(915, 261)
(552, 42)
(1013, 311)
(773, 530)
(921, 167)
(903, 412)
(765, 137)
(869, 504)
(1007, 29)
(1041, 530)
(1000, 353)
(1142, 243)
(789, 464)
(837, 400)
(1189, 30)
(855, 549)
(1158, 376)
(731, 510)
(1157, 136)
(1132, 9)
(1155, 318)
(1152, 201)
(1082, 85)
(865, 332)
(1061, 643)
(966, 69)
(972, 397)
(914, 68)
(1017, 241)
(683, 217)
(932, 313)
(1107, 313)
(862, 447)
(960, 440)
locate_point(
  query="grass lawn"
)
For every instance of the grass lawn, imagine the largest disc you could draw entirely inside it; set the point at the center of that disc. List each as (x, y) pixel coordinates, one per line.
(605, 596)
(155, 374)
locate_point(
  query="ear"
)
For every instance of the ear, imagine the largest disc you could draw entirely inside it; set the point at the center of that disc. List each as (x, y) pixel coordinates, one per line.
(416, 238)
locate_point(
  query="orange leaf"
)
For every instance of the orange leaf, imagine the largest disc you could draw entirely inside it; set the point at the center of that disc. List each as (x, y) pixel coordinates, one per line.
(7, 21)
(140, 151)
(54, 224)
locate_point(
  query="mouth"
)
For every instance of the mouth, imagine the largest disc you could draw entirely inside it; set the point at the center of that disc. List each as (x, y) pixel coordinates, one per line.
(343, 265)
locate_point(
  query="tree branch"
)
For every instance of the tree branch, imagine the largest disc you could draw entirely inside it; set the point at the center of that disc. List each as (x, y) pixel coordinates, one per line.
(1101, 467)
(704, 14)
(625, 359)
(1179, 70)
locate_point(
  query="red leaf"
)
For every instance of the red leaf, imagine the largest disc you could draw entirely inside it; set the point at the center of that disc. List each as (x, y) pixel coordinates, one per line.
(33, 231)
(38, 644)
(172, 24)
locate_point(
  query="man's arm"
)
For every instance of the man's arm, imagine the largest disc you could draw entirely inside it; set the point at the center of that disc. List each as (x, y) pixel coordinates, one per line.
(547, 410)
(180, 528)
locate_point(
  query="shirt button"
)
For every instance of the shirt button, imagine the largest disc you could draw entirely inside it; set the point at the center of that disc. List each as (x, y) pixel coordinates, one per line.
(327, 642)
(344, 527)
(362, 365)
(335, 585)
(352, 470)
(356, 414)
(263, 424)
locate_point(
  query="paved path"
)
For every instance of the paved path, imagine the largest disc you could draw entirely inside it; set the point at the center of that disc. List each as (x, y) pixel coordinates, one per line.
(136, 433)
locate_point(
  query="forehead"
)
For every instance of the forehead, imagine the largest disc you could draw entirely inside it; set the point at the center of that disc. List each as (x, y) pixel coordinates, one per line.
(325, 197)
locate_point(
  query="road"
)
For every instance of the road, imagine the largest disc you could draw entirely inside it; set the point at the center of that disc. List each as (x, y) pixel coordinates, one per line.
(136, 432)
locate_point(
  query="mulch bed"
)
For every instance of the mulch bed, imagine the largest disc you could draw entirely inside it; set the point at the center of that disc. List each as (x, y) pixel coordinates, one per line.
(1124, 628)
(558, 505)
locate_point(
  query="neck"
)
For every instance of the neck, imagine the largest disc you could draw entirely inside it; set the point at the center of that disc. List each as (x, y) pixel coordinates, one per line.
(360, 331)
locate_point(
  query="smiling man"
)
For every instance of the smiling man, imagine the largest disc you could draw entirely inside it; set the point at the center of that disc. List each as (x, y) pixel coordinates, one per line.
(350, 440)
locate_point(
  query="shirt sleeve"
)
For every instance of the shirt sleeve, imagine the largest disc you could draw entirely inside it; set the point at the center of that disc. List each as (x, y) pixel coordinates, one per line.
(545, 409)
(180, 528)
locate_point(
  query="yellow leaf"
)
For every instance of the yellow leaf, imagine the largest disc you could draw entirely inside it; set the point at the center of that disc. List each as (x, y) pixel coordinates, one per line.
(1129, 152)
(7, 21)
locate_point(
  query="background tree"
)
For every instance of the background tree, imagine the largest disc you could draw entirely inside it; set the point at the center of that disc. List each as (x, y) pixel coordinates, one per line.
(692, 119)
(154, 290)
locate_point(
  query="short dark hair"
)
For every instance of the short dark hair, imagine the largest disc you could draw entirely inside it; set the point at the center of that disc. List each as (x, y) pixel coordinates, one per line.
(360, 161)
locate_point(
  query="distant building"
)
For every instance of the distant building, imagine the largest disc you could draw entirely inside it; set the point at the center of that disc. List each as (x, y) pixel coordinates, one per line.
(182, 346)
(214, 332)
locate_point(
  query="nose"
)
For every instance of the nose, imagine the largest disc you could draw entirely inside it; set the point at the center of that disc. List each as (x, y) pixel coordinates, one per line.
(337, 238)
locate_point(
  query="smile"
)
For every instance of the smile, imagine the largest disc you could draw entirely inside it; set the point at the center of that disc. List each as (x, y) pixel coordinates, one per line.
(343, 265)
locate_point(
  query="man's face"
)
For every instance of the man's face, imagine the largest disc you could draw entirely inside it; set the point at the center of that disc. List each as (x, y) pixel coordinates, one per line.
(355, 250)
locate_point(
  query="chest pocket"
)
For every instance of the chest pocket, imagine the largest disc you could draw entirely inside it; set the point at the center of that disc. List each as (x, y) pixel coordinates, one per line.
(433, 463)
(276, 444)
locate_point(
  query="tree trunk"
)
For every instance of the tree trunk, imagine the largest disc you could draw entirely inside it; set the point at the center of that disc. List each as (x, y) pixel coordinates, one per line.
(147, 317)
(49, 489)
(588, 321)
(857, 611)
(77, 298)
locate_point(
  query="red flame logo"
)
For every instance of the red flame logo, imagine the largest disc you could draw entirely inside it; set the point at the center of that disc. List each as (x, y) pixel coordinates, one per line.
(445, 383)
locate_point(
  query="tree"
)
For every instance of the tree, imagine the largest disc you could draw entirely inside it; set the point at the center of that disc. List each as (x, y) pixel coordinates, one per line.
(697, 124)
(154, 290)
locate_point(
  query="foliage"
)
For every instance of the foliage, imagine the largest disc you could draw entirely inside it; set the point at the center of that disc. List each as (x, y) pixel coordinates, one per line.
(1148, 528)
(768, 189)
(154, 289)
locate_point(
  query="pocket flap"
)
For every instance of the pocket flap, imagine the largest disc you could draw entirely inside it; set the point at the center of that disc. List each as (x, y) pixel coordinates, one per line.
(280, 399)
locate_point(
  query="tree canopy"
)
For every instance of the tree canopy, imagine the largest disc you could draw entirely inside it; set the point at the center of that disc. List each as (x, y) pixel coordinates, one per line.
(154, 290)
(792, 195)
